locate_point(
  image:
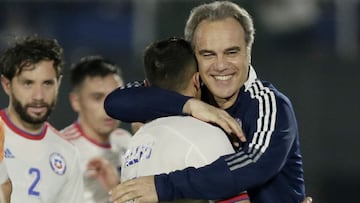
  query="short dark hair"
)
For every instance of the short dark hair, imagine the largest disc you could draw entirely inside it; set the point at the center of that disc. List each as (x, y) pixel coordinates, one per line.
(29, 51)
(92, 66)
(170, 63)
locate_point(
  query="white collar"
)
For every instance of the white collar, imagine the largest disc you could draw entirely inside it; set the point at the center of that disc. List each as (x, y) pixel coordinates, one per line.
(252, 77)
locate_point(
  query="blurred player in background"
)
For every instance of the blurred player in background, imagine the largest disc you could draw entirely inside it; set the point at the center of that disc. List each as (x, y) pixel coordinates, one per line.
(41, 165)
(94, 133)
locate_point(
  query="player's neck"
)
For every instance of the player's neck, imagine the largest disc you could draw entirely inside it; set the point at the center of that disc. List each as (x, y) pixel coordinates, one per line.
(92, 135)
(31, 128)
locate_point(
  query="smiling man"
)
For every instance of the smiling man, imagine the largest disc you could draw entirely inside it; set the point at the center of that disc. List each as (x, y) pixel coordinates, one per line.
(268, 165)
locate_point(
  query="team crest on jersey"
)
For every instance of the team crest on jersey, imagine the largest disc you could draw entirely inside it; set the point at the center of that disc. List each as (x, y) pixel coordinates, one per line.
(57, 163)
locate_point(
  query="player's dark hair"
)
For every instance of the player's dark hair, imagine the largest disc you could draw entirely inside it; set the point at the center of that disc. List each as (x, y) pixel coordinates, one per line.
(92, 66)
(29, 51)
(170, 63)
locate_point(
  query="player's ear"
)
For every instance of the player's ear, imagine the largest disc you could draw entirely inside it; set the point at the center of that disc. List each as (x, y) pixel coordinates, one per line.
(60, 79)
(196, 80)
(5, 82)
(74, 101)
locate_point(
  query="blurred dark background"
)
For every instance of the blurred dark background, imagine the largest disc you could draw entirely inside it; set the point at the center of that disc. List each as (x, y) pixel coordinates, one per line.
(309, 49)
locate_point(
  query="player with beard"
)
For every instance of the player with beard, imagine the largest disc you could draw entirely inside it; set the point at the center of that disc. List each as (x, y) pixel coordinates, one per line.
(42, 166)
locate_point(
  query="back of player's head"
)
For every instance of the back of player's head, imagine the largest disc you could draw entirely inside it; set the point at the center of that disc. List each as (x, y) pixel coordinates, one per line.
(92, 66)
(170, 64)
(29, 51)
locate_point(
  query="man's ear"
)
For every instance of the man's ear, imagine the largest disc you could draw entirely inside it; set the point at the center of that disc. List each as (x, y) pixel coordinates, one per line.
(74, 101)
(60, 79)
(6, 83)
(197, 81)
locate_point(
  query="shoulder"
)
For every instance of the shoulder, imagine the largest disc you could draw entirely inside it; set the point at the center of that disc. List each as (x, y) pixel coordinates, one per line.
(70, 132)
(120, 137)
(265, 93)
(120, 132)
(270, 103)
(53, 133)
(190, 128)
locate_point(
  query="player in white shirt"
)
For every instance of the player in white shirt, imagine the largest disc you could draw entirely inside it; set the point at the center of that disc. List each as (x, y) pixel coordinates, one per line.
(176, 142)
(94, 133)
(172, 143)
(3, 172)
(5, 184)
(41, 165)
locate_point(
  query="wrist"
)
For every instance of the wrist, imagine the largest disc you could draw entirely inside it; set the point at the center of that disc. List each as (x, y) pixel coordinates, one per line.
(187, 106)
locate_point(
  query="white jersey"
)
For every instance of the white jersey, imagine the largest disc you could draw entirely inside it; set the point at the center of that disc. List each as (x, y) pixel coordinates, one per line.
(43, 168)
(172, 143)
(89, 149)
(3, 172)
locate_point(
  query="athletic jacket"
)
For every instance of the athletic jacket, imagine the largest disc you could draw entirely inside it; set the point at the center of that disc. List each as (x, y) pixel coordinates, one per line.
(268, 165)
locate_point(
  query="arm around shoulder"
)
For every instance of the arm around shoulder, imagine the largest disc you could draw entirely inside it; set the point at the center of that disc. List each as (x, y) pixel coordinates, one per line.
(141, 104)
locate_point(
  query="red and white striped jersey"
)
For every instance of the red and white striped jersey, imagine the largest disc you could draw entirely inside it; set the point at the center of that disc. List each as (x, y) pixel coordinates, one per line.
(89, 149)
(42, 167)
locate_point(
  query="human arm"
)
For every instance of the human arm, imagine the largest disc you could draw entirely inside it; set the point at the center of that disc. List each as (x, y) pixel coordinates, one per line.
(143, 190)
(5, 184)
(270, 147)
(270, 156)
(137, 103)
(100, 169)
(5, 189)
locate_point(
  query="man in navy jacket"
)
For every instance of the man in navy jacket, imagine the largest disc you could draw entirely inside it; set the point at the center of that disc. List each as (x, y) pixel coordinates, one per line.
(268, 165)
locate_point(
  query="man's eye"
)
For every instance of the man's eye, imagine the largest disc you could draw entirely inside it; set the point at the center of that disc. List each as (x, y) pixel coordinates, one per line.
(207, 54)
(49, 83)
(233, 52)
(27, 83)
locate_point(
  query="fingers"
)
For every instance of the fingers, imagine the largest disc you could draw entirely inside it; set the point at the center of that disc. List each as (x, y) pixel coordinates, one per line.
(136, 190)
(91, 173)
(123, 192)
(97, 163)
(308, 200)
(231, 125)
(236, 129)
(94, 163)
(208, 113)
